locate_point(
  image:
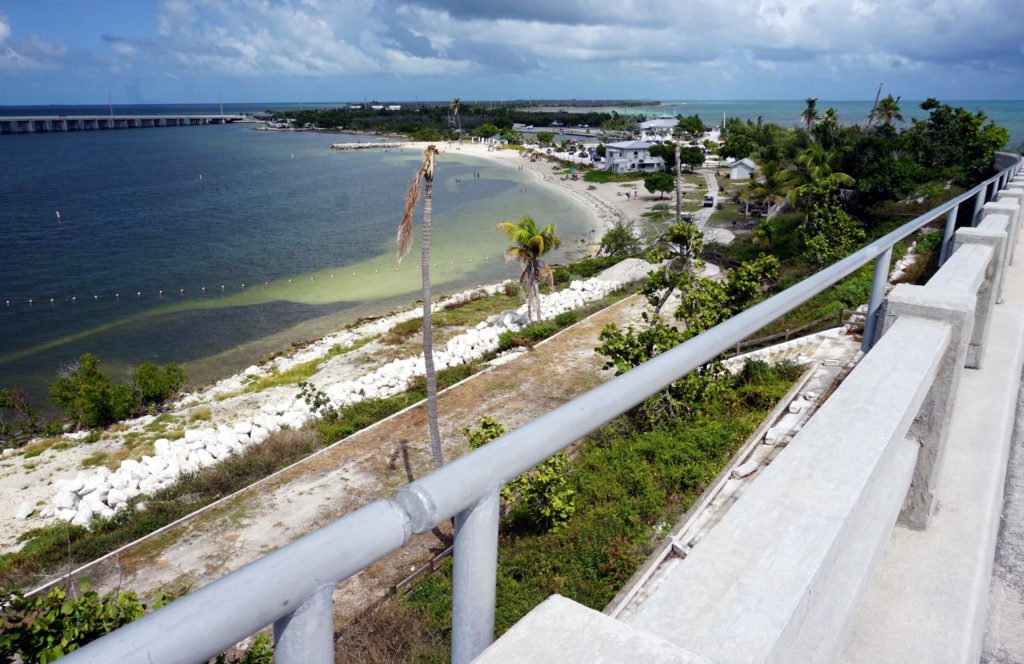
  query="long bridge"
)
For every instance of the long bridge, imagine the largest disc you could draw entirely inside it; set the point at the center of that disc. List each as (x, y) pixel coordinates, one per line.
(54, 123)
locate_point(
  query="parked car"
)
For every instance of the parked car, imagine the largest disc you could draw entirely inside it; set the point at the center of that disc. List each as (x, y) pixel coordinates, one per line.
(709, 201)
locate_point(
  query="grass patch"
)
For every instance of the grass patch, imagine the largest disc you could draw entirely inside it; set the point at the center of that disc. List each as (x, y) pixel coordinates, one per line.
(606, 176)
(95, 459)
(200, 415)
(162, 422)
(628, 482)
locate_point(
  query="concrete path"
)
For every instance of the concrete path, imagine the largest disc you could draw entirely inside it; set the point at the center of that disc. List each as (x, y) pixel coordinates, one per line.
(1004, 631)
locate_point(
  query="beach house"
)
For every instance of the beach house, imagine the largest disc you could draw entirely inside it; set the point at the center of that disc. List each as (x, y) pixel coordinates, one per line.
(630, 157)
(658, 129)
(742, 169)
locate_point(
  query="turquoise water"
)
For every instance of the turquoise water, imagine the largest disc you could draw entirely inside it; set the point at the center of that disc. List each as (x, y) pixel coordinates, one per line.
(288, 238)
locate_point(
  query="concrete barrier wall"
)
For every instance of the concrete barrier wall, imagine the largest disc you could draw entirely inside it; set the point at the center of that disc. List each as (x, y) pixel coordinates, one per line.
(780, 578)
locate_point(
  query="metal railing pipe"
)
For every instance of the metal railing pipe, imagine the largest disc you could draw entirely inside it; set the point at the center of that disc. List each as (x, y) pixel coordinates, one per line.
(878, 283)
(306, 636)
(206, 622)
(474, 575)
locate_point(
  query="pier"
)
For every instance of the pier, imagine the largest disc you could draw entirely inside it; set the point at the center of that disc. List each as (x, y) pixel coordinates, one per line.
(58, 123)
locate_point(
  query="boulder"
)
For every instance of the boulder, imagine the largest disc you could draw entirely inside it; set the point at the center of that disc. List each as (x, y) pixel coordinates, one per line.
(243, 427)
(162, 445)
(25, 510)
(83, 516)
(65, 500)
(66, 514)
(75, 485)
(116, 497)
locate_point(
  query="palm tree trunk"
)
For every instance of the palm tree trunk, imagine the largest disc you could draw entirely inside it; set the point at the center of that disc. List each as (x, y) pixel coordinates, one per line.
(428, 337)
(679, 196)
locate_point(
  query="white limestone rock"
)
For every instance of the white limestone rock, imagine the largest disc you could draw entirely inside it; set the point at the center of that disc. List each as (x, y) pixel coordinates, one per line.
(24, 511)
(65, 500)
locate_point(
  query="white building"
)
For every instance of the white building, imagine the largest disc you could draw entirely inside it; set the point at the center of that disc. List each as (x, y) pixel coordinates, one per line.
(742, 169)
(631, 156)
(658, 129)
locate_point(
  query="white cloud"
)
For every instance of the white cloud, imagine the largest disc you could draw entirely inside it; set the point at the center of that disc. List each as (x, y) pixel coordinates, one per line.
(30, 52)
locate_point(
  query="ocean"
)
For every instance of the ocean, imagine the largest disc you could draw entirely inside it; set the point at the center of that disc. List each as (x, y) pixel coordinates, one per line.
(215, 246)
(1009, 114)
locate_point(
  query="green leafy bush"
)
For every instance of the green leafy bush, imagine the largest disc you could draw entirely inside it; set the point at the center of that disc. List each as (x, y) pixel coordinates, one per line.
(539, 498)
(44, 628)
(88, 397)
(157, 384)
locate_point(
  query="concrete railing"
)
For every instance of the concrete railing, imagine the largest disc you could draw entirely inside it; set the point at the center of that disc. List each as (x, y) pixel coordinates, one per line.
(779, 579)
(820, 523)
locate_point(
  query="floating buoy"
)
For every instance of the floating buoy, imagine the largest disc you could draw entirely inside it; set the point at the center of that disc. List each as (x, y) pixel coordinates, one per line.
(74, 299)
(8, 303)
(30, 300)
(58, 216)
(51, 300)
(95, 297)
(181, 290)
(222, 286)
(243, 285)
(117, 295)
(161, 293)
(200, 177)
(138, 293)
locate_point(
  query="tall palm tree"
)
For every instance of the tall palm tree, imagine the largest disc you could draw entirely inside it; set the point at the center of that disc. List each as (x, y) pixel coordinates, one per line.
(679, 189)
(424, 174)
(810, 114)
(454, 107)
(528, 245)
(886, 111)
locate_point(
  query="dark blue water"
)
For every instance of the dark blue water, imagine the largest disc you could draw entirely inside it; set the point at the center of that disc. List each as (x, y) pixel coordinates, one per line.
(194, 208)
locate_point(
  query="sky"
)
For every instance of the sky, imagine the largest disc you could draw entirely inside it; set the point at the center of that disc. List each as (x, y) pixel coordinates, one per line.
(182, 51)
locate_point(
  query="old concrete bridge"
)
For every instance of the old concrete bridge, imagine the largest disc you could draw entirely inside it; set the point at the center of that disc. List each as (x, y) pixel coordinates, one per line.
(50, 123)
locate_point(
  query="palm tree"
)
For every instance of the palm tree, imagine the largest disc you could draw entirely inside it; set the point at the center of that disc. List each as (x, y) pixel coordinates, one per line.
(886, 111)
(772, 186)
(810, 114)
(528, 245)
(679, 190)
(814, 163)
(454, 107)
(404, 240)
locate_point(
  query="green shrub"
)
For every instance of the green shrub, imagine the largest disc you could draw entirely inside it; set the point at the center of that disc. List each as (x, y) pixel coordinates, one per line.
(88, 397)
(47, 627)
(44, 628)
(540, 498)
(566, 318)
(157, 384)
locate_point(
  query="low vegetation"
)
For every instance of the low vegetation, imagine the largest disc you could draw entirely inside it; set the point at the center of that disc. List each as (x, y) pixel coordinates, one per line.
(628, 481)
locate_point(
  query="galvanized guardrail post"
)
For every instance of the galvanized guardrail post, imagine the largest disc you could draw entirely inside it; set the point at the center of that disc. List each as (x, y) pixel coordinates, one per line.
(307, 634)
(881, 278)
(947, 233)
(475, 567)
(979, 202)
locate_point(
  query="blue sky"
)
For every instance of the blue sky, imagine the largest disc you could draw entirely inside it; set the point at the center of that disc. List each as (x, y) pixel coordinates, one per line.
(75, 51)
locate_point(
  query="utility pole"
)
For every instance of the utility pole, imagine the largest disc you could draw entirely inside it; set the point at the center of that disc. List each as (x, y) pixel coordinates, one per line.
(221, 104)
(110, 103)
